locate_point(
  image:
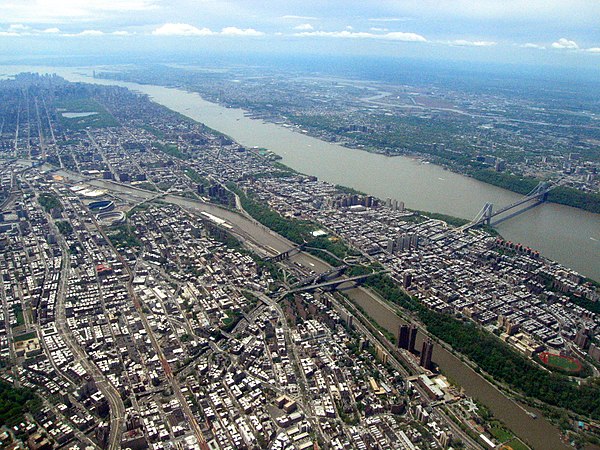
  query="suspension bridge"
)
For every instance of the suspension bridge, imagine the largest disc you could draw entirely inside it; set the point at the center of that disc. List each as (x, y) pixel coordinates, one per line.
(487, 215)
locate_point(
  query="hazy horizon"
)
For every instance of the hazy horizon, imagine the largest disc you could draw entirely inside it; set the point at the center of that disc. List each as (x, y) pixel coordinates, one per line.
(541, 34)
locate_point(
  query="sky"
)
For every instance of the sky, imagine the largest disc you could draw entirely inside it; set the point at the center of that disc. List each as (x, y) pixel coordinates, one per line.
(564, 32)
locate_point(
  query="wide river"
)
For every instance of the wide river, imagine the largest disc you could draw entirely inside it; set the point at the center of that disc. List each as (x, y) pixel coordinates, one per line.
(567, 235)
(560, 232)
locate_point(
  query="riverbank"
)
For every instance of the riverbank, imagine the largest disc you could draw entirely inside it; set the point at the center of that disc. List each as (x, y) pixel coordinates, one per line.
(564, 234)
(387, 290)
(462, 165)
(568, 235)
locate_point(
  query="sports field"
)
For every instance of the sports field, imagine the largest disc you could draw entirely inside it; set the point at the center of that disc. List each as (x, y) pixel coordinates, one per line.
(560, 362)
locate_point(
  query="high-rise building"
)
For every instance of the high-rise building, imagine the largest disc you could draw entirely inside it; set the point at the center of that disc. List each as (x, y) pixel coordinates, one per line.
(414, 241)
(412, 338)
(594, 353)
(390, 246)
(446, 439)
(403, 336)
(426, 353)
(582, 338)
(406, 279)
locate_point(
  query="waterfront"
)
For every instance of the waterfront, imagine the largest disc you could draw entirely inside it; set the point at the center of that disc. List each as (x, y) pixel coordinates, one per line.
(466, 377)
(567, 235)
(538, 432)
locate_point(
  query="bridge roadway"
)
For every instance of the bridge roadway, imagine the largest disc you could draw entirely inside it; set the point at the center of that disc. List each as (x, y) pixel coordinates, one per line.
(318, 277)
(486, 214)
(335, 283)
(539, 433)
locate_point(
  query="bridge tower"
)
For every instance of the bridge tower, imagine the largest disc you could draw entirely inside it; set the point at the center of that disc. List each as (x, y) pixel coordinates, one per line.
(487, 213)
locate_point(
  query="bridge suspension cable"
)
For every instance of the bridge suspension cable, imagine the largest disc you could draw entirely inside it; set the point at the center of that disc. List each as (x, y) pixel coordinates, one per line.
(486, 214)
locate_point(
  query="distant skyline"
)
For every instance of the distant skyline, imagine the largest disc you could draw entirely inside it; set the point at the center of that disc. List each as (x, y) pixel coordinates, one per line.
(513, 31)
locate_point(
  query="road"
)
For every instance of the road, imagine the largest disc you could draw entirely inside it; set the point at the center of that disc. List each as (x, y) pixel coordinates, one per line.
(538, 432)
(117, 408)
(157, 348)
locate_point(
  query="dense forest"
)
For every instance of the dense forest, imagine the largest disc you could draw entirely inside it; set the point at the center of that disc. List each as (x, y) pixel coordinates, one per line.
(14, 402)
(49, 202)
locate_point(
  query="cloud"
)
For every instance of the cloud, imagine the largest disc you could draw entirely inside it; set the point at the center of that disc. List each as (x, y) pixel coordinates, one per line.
(564, 43)
(335, 34)
(90, 33)
(85, 33)
(536, 46)
(181, 29)
(52, 30)
(120, 33)
(465, 43)
(593, 50)
(233, 31)
(378, 29)
(292, 17)
(304, 27)
(393, 36)
(406, 37)
(18, 27)
(184, 29)
(15, 30)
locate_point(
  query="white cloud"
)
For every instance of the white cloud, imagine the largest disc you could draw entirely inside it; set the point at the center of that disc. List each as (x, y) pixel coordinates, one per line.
(378, 29)
(292, 17)
(9, 33)
(181, 29)
(335, 34)
(594, 50)
(16, 27)
(393, 36)
(85, 33)
(564, 43)
(184, 29)
(465, 43)
(68, 11)
(304, 27)
(234, 31)
(120, 33)
(90, 33)
(52, 30)
(535, 46)
(406, 37)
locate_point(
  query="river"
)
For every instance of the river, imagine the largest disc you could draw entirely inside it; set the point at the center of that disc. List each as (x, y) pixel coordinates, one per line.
(539, 433)
(567, 235)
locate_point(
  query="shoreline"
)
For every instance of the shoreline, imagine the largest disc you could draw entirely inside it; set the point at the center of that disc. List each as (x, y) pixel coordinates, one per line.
(421, 157)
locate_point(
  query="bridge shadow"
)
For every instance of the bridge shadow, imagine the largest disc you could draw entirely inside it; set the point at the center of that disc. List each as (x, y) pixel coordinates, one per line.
(516, 213)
